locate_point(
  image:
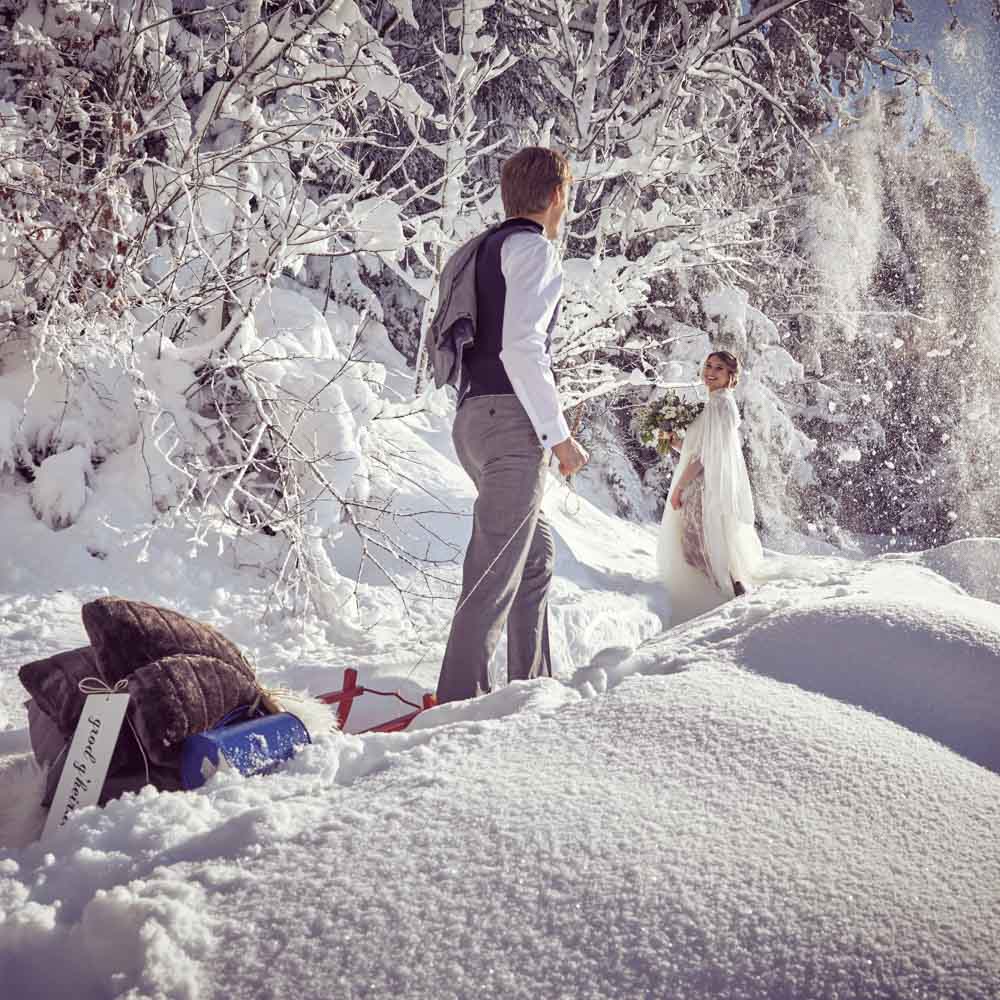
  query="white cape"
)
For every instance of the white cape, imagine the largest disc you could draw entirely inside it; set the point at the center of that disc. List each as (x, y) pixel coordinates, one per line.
(728, 538)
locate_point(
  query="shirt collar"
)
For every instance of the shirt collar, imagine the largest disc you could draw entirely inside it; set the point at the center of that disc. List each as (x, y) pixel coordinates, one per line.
(521, 220)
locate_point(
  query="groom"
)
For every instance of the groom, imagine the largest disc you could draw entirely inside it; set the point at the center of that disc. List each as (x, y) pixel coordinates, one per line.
(508, 420)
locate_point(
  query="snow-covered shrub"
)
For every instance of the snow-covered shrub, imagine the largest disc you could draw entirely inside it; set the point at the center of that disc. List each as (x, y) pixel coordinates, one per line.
(170, 182)
(13, 449)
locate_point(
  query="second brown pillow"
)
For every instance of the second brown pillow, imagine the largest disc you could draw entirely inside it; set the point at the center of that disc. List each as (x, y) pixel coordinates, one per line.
(128, 634)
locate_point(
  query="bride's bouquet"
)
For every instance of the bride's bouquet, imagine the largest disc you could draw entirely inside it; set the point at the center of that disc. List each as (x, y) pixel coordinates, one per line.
(669, 415)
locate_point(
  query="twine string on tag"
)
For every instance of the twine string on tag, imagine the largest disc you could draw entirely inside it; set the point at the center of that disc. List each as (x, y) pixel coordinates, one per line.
(97, 685)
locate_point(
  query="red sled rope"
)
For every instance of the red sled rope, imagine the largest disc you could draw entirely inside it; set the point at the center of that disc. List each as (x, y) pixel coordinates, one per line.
(344, 699)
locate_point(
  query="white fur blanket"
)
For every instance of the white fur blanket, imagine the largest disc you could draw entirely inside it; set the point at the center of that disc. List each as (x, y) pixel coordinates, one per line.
(22, 784)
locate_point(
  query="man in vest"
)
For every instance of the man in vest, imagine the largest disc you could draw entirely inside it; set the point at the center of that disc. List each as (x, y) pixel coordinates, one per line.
(507, 424)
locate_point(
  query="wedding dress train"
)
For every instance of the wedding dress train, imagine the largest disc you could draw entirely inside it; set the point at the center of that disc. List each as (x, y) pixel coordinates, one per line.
(709, 543)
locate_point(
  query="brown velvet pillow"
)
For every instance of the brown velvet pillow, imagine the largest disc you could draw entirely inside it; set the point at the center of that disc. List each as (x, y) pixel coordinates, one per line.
(176, 696)
(127, 635)
(54, 685)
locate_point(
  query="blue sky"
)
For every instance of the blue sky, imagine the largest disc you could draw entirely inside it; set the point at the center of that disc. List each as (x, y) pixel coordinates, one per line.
(966, 70)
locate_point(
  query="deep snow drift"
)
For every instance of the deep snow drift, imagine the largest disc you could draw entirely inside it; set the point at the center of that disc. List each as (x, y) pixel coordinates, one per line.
(665, 823)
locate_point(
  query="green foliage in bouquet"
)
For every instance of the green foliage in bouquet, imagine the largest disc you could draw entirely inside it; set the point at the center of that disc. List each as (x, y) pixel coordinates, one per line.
(669, 415)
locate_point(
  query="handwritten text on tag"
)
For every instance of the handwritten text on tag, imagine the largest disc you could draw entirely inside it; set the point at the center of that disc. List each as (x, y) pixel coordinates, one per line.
(88, 758)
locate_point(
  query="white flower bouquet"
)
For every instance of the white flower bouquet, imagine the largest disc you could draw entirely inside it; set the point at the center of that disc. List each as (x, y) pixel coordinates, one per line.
(669, 415)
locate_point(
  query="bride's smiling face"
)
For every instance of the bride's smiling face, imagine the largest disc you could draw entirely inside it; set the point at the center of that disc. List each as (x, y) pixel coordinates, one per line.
(715, 374)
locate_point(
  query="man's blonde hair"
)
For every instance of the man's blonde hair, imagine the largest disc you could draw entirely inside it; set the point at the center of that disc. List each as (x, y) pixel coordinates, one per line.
(530, 178)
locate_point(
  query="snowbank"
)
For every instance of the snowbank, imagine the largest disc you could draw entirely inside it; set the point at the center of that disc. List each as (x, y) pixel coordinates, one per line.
(699, 835)
(972, 563)
(703, 834)
(933, 667)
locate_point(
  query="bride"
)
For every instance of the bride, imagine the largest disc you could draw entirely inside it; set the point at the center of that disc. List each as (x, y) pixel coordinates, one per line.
(708, 549)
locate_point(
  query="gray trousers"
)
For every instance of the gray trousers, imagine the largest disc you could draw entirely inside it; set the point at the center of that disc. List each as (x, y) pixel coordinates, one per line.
(508, 564)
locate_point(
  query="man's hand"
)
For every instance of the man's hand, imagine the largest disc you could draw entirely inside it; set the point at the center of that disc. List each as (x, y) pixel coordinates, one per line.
(572, 457)
(675, 499)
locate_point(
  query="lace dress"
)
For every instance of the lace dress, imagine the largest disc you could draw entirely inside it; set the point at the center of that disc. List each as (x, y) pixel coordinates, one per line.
(693, 526)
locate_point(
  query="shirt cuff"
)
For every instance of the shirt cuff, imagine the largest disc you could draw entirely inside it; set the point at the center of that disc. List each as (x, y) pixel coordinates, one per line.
(552, 431)
(549, 423)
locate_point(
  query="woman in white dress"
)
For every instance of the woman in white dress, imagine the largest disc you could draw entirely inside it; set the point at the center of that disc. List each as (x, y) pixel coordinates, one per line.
(708, 550)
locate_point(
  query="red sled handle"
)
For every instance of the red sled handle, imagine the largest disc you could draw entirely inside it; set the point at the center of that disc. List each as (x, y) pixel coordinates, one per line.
(344, 699)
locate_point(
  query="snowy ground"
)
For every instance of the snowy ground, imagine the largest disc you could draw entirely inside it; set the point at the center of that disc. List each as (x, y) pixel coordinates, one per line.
(795, 795)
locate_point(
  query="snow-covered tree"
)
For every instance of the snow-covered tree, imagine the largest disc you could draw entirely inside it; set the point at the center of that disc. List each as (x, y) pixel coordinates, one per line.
(891, 314)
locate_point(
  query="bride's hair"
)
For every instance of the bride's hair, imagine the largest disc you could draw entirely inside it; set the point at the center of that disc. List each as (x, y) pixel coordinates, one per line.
(732, 364)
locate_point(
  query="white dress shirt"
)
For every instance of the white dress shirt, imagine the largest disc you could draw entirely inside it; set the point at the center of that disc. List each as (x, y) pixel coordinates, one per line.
(533, 272)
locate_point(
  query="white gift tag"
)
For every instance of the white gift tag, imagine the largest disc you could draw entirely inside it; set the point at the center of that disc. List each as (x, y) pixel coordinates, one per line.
(88, 758)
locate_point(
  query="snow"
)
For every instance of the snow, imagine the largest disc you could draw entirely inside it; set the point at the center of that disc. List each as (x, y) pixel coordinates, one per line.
(972, 563)
(684, 836)
(377, 225)
(679, 835)
(12, 448)
(932, 666)
(793, 795)
(728, 305)
(59, 490)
